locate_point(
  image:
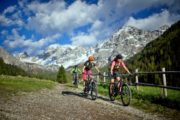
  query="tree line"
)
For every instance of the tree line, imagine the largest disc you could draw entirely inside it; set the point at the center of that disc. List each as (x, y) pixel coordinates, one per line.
(8, 69)
(162, 52)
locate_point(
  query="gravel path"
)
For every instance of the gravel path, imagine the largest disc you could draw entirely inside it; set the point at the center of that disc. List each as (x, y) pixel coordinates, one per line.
(63, 103)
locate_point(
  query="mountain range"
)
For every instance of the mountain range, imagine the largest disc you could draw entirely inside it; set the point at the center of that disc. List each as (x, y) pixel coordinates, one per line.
(128, 41)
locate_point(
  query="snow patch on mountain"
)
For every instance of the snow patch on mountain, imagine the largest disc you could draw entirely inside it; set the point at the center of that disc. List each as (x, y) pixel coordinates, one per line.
(128, 41)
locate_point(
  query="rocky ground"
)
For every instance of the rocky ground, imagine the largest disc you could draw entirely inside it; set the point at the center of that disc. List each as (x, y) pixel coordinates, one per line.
(64, 103)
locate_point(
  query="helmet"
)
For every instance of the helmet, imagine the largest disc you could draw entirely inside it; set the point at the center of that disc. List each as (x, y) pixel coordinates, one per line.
(119, 56)
(91, 58)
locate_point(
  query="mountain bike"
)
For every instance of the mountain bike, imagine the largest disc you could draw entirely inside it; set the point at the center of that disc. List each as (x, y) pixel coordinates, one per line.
(125, 93)
(90, 86)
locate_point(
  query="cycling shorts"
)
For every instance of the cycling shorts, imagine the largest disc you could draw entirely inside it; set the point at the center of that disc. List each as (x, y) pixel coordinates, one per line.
(85, 73)
(115, 75)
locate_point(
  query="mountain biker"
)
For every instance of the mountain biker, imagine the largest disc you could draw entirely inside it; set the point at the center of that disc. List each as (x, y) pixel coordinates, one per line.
(75, 71)
(88, 65)
(116, 64)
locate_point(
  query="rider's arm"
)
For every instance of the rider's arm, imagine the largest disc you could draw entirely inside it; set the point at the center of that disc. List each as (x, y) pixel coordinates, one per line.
(72, 70)
(127, 70)
(83, 69)
(79, 71)
(112, 67)
(97, 69)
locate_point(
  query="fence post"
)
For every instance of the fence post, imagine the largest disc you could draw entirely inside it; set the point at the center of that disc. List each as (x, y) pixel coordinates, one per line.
(104, 78)
(137, 81)
(164, 83)
(97, 77)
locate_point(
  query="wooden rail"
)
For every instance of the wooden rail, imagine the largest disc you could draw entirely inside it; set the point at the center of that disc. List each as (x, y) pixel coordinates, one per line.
(137, 83)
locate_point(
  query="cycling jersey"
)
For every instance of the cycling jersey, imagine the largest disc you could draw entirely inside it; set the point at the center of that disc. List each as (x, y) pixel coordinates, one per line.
(116, 65)
(88, 65)
(75, 70)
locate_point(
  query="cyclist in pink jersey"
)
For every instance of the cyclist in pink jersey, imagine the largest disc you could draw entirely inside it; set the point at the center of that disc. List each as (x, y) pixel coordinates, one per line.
(116, 64)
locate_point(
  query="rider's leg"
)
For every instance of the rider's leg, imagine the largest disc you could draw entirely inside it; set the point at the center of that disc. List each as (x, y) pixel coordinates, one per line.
(119, 83)
(111, 84)
(89, 73)
(73, 78)
(84, 78)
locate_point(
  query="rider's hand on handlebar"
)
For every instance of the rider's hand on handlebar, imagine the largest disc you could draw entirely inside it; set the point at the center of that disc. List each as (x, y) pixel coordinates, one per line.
(130, 73)
(100, 73)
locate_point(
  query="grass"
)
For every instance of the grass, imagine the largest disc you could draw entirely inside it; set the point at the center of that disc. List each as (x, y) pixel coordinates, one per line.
(155, 95)
(103, 90)
(10, 85)
(157, 109)
(151, 94)
(150, 100)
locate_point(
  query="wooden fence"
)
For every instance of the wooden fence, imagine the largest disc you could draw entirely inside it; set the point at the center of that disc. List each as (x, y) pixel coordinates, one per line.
(137, 83)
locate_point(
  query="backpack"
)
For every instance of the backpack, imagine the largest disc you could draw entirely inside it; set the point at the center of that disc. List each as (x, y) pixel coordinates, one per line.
(88, 65)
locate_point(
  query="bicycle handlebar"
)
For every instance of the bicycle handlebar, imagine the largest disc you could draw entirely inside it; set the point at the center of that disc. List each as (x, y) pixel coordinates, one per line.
(121, 74)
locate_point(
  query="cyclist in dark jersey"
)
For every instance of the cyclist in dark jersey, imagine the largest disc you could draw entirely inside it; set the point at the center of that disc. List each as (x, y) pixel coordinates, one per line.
(116, 64)
(88, 65)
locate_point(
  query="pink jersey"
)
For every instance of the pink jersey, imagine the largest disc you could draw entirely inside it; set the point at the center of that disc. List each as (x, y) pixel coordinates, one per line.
(116, 65)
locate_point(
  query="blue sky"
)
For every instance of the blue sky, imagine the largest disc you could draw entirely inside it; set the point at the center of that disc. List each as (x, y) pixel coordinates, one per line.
(32, 25)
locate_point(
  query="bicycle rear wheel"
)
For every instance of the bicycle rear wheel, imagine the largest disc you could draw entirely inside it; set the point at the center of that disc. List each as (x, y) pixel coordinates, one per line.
(112, 95)
(93, 91)
(125, 94)
(86, 89)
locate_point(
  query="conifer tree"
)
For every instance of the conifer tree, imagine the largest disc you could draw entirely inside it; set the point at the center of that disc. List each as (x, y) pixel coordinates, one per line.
(61, 76)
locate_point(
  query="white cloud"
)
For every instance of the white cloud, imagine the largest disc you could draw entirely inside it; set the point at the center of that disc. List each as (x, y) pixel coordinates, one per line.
(5, 21)
(14, 19)
(53, 17)
(154, 21)
(17, 41)
(97, 25)
(84, 39)
(10, 9)
(56, 17)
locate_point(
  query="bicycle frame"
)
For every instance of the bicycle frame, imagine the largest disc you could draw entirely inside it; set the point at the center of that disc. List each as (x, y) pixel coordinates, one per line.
(90, 85)
(125, 91)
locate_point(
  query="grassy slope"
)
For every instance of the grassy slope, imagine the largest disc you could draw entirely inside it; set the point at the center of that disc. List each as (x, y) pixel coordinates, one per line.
(10, 85)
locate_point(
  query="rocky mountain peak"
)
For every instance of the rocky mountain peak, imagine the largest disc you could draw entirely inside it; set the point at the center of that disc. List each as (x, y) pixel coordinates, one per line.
(128, 41)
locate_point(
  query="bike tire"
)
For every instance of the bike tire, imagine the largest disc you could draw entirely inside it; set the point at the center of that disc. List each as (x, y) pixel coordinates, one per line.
(112, 96)
(125, 94)
(86, 89)
(93, 91)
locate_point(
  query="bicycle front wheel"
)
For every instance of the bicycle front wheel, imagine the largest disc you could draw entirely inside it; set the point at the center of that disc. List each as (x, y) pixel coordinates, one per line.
(125, 94)
(93, 91)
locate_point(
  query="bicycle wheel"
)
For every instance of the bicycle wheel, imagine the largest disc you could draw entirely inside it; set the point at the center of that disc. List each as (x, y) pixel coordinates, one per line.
(112, 95)
(93, 91)
(86, 89)
(125, 94)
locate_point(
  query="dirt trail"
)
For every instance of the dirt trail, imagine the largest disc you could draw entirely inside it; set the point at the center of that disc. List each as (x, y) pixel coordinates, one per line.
(65, 104)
